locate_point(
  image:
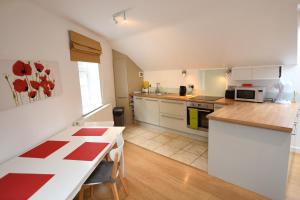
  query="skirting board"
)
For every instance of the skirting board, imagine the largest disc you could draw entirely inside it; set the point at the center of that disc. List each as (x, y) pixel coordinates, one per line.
(295, 149)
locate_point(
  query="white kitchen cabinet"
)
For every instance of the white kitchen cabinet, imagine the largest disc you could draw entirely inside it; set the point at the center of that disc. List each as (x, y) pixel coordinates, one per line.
(255, 73)
(172, 107)
(172, 121)
(265, 73)
(241, 74)
(295, 141)
(139, 109)
(169, 114)
(172, 114)
(151, 111)
(146, 110)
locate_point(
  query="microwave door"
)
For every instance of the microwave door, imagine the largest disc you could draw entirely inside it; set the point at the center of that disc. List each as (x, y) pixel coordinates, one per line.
(245, 94)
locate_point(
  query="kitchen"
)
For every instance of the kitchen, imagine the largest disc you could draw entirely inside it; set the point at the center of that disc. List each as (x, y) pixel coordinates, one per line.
(151, 100)
(196, 117)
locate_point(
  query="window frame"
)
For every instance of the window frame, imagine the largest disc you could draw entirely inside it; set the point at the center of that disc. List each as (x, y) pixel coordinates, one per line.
(98, 106)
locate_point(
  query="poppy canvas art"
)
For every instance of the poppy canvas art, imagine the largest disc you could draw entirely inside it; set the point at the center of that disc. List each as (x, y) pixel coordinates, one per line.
(24, 82)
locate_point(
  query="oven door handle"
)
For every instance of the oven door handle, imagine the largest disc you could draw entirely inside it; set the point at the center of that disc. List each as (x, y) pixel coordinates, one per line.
(207, 111)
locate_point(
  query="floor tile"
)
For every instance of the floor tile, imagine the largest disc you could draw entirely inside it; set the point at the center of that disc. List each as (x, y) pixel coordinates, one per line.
(205, 144)
(184, 138)
(195, 148)
(137, 140)
(162, 139)
(149, 135)
(205, 155)
(170, 134)
(200, 163)
(178, 143)
(184, 156)
(150, 145)
(178, 147)
(166, 150)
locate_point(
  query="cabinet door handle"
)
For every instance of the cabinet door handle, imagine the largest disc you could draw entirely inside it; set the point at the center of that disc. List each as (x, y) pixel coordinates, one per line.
(172, 117)
(150, 100)
(179, 103)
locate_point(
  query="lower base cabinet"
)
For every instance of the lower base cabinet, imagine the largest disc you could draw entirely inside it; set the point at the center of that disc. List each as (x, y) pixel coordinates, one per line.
(169, 114)
(146, 110)
(172, 122)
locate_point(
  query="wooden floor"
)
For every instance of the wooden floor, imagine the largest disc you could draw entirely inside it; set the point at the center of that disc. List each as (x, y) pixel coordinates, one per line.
(152, 176)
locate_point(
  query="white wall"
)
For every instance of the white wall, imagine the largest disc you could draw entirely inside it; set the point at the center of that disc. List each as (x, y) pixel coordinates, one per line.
(209, 82)
(29, 32)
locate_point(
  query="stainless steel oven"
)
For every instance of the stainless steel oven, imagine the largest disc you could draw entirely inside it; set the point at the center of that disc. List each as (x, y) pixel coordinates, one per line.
(203, 109)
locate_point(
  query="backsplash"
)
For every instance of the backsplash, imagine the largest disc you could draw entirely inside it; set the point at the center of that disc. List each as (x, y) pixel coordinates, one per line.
(213, 82)
(206, 82)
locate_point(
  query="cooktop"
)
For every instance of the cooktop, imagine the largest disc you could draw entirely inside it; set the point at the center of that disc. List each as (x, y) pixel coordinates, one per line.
(206, 98)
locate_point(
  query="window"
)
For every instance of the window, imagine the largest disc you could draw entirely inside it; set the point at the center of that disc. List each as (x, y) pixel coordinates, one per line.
(89, 86)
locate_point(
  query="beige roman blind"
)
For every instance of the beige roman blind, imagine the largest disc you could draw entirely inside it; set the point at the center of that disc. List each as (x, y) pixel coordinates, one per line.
(83, 48)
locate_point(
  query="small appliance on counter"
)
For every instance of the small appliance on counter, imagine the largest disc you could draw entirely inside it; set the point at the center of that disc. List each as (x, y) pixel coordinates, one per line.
(182, 90)
(253, 94)
(230, 93)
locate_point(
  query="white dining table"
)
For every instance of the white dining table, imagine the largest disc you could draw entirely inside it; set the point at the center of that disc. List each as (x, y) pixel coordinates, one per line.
(69, 175)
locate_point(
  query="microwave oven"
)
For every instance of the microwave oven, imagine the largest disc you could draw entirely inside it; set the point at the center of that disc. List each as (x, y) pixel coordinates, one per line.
(253, 94)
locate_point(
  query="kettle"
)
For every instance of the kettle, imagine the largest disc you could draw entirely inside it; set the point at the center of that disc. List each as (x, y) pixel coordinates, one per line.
(182, 90)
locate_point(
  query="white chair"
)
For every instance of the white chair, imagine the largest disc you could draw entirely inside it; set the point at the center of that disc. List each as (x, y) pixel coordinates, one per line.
(119, 143)
(107, 172)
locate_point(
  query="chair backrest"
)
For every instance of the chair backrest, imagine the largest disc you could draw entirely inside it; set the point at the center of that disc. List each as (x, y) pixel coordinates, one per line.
(120, 140)
(118, 150)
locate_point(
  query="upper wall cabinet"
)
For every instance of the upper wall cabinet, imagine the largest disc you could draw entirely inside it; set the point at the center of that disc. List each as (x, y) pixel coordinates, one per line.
(256, 73)
(239, 74)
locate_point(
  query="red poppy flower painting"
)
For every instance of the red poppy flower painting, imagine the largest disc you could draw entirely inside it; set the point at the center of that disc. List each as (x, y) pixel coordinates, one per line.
(20, 85)
(21, 69)
(32, 94)
(47, 92)
(39, 67)
(27, 81)
(51, 85)
(43, 78)
(47, 71)
(35, 85)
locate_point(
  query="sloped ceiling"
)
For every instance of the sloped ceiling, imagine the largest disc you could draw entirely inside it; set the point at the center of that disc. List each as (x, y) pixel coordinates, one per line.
(167, 34)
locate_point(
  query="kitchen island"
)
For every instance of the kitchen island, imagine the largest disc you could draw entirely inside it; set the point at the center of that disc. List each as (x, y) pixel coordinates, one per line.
(249, 145)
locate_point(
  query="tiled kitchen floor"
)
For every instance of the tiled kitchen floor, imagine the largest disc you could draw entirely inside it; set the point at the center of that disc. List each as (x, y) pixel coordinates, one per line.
(183, 149)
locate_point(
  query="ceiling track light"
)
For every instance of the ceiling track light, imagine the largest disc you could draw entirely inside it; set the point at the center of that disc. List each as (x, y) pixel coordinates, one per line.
(120, 14)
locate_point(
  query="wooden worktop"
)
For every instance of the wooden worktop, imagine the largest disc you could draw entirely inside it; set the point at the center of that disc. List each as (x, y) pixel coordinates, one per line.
(166, 96)
(267, 115)
(273, 116)
(176, 97)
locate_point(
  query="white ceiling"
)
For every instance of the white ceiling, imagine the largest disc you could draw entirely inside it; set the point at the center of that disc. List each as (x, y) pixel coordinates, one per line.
(165, 34)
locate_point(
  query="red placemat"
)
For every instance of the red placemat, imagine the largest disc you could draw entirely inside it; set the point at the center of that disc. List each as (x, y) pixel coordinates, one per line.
(44, 150)
(90, 132)
(21, 186)
(87, 151)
